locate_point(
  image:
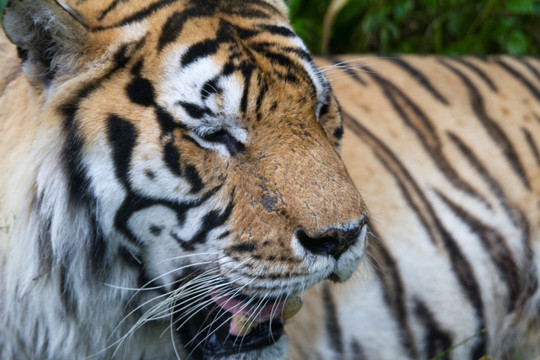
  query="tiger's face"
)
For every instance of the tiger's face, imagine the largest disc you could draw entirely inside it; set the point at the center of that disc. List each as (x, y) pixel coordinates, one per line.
(206, 141)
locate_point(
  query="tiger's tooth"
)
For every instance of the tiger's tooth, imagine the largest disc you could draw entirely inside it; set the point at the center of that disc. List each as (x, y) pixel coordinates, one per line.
(242, 325)
(292, 307)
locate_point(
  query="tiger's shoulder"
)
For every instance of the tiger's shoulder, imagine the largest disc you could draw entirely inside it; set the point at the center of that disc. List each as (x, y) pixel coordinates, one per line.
(463, 113)
(445, 150)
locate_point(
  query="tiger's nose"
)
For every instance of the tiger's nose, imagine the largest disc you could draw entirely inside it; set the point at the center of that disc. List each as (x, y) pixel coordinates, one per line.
(333, 241)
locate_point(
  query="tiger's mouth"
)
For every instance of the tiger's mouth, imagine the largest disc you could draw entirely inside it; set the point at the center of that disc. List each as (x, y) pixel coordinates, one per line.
(230, 325)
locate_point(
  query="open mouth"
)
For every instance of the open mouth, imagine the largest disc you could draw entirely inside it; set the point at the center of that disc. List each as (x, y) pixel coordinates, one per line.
(232, 324)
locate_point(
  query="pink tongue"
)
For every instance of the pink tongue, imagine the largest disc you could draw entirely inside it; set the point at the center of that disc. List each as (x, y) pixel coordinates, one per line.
(254, 311)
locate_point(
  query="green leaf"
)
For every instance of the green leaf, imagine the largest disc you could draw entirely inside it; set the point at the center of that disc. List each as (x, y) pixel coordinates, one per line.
(520, 6)
(517, 43)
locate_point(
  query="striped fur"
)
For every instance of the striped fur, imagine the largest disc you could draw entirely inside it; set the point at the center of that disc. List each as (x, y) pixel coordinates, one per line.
(176, 147)
(164, 159)
(445, 153)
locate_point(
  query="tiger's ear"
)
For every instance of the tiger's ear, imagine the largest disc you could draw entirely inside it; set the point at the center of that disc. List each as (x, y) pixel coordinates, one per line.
(49, 38)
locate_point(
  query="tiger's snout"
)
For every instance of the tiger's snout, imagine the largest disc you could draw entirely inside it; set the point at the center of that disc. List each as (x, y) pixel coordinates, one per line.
(334, 241)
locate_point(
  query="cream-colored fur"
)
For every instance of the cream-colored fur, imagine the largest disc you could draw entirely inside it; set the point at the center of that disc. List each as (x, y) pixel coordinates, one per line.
(368, 321)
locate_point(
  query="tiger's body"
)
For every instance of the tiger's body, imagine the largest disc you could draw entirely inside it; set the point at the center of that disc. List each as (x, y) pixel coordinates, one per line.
(163, 158)
(445, 152)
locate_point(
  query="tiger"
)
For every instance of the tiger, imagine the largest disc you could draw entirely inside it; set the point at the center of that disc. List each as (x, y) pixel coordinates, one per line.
(175, 185)
(172, 180)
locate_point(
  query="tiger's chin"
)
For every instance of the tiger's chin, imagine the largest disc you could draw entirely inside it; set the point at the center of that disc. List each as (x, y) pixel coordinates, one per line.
(236, 327)
(348, 263)
(278, 350)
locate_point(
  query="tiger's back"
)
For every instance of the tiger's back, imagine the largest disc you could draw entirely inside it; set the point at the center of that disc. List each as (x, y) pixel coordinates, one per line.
(446, 153)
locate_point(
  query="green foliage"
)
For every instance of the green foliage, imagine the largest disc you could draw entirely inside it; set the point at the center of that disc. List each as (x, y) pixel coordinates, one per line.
(2, 5)
(423, 26)
(420, 26)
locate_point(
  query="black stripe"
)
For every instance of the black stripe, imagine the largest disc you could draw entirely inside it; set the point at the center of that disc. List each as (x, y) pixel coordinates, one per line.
(45, 247)
(278, 58)
(495, 245)
(303, 54)
(269, 46)
(67, 293)
(141, 91)
(519, 77)
(476, 70)
(166, 121)
(171, 157)
(97, 249)
(293, 70)
(263, 89)
(194, 179)
(465, 275)
(356, 351)
(172, 28)
(247, 13)
(247, 71)
(531, 275)
(460, 265)
(278, 30)
(78, 181)
(493, 129)
(532, 145)
(199, 50)
(139, 15)
(230, 7)
(354, 75)
(122, 137)
(333, 327)
(263, 4)
(128, 258)
(211, 87)
(244, 247)
(192, 140)
(244, 33)
(175, 24)
(109, 8)
(436, 341)
(194, 110)
(210, 221)
(531, 68)
(419, 77)
(394, 294)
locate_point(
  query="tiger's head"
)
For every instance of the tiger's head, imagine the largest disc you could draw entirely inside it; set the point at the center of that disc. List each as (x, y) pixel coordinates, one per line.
(197, 147)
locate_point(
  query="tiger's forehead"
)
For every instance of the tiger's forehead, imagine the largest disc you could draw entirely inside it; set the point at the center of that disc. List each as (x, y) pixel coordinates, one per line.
(210, 59)
(109, 14)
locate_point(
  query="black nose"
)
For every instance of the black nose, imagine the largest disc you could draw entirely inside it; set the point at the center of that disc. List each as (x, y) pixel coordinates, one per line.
(333, 241)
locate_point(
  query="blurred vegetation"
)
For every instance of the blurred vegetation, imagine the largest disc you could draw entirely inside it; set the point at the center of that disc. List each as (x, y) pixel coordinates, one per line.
(421, 26)
(417, 26)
